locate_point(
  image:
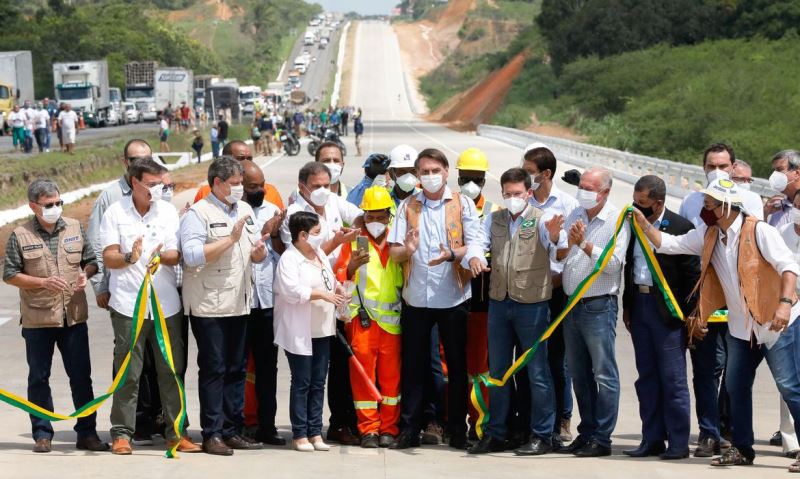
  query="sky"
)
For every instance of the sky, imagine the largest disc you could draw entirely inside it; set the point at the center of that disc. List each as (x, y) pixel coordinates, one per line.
(364, 7)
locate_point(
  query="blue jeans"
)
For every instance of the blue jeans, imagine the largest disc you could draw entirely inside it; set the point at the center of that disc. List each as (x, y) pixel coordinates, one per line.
(556, 355)
(307, 391)
(705, 380)
(73, 344)
(509, 320)
(783, 359)
(589, 333)
(215, 149)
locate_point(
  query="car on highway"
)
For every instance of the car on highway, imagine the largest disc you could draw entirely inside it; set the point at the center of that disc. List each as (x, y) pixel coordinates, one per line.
(323, 43)
(132, 114)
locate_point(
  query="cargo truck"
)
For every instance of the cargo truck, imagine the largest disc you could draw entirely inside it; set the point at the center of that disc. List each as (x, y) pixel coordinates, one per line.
(222, 95)
(298, 97)
(140, 87)
(84, 85)
(247, 96)
(173, 85)
(16, 79)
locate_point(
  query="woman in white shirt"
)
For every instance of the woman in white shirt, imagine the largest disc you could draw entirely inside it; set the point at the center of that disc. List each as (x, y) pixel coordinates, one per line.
(306, 296)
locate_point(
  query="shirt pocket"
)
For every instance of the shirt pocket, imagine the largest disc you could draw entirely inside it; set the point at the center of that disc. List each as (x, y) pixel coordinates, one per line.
(72, 251)
(128, 232)
(218, 231)
(34, 262)
(219, 288)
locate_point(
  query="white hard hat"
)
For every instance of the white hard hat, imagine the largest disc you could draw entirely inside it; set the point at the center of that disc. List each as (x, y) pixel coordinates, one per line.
(402, 156)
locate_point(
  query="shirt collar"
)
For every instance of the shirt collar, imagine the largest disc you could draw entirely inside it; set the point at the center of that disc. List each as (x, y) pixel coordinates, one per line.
(604, 213)
(448, 195)
(125, 186)
(661, 217)
(127, 203)
(227, 209)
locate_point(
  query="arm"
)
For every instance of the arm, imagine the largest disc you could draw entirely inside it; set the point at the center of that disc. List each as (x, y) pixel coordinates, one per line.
(88, 259)
(474, 241)
(193, 239)
(403, 244)
(99, 281)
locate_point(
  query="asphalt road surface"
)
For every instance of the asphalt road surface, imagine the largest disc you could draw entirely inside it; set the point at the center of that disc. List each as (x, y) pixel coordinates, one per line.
(323, 65)
(388, 122)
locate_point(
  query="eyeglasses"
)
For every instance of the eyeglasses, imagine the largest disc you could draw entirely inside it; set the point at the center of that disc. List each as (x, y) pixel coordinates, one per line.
(741, 179)
(170, 187)
(326, 279)
(463, 180)
(47, 206)
(244, 157)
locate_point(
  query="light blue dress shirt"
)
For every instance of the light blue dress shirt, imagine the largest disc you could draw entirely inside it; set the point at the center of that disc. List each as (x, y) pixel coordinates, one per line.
(264, 272)
(194, 233)
(641, 273)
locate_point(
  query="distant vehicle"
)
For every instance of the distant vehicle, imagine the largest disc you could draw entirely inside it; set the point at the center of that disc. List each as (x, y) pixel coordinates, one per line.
(247, 96)
(301, 64)
(328, 135)
(289, 141)
(132, 114)
(275, 92)
(202, 81)
(323, 43)
(298, 97)
(115, 94)
(85, 86)
(16, 79)
(309, 38)
(140, 87)
(314, 22)
(174, 85)
(115, 118)
(222, 94)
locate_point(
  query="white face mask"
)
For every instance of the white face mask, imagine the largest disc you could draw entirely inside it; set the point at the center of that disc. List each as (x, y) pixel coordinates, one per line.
(51, 215)
(743, 186)
(237, 192)
(796, 216)
(587, 199)
(320, 196)
(515, 205)
(471, 190)
(336, 171)
(535, 185)
(376, 229)
(778, 181)
(315, 240)
(380, 180)
(167, 196)
(432, 183)
(156, 193)
(407, 182)
(717, 174)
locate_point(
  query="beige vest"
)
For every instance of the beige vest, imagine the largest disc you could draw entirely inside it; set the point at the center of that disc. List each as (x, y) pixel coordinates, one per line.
(224, 287)
(520, 265)
(42, 308)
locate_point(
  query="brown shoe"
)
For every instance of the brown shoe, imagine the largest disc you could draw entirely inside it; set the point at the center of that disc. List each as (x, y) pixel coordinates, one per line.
(343, 436)
(92, 443)
(217, 447)
(185, 445)
(564, 430)
(238, 442)
(121, 447)
(42, 445)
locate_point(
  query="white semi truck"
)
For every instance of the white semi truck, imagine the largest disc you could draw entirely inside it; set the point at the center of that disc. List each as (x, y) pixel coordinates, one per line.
(16, 79)
(84, 85)
(174, 85)
(140, 87)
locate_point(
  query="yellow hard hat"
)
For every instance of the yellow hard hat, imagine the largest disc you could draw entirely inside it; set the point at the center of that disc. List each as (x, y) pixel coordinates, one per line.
(376, 198)
(472, 159)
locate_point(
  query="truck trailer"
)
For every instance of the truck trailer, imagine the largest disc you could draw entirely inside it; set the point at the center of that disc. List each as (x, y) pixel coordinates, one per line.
(84, 85)
(16, 79)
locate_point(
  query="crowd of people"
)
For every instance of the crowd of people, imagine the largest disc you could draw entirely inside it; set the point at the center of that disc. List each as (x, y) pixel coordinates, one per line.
(428, 287)
(37, 122)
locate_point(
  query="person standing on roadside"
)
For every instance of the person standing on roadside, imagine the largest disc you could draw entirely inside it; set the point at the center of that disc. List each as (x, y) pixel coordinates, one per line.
(358, 129)
(16, 119)
(345, 121)
(68, 121)
(197, 143)
(163, 133)
(222, 132)
(41, 121)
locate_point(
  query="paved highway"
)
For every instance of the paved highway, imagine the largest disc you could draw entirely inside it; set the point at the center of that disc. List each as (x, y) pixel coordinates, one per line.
(388, 121)
(315, 80)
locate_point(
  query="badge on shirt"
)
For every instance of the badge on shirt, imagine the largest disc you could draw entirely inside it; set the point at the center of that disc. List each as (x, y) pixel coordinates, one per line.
(71, 239)
(249, 221)
(528, 224)
(218, 225)
(32, 247)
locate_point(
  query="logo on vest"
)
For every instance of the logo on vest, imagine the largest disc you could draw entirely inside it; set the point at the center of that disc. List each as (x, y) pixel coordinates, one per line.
(528, 224)
(72, 239)
(32, 247)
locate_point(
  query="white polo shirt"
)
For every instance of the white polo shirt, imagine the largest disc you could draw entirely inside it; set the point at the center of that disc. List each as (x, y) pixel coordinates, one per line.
(121, 225)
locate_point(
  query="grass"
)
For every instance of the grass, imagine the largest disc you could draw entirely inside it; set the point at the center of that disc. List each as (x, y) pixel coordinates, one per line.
(520, 11)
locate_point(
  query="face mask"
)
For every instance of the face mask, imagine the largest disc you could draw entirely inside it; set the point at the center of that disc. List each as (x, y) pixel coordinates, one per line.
(743, 186)
(315, 241)
(535, 184)
(156, 193)
(407, 182)
(471, 190)
(515, 205)
(336, 171)
(376, 229)
(236, 194)
(796, 216)
(647, 212)
(320, 196)
(587, 199)
(380, 180)
(432, 183)
(708, 217)
(51, 215)
(255, 199)
(717, 174)
(167, 195)
(778, 181)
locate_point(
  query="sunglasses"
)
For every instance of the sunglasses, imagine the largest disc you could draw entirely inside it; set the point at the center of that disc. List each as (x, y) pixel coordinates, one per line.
(47, 206)
(243, 157)
(463, 180)
(327, 280)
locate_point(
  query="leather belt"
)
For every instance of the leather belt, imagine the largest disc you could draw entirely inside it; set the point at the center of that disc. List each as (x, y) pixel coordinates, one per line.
(592, 298)
(645, 289)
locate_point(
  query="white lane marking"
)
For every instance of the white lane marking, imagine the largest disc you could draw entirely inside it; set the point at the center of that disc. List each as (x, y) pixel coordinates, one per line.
(271, 160)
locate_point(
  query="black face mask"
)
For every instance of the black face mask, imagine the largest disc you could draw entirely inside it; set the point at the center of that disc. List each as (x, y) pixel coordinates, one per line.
(647, 212)
(255, 199)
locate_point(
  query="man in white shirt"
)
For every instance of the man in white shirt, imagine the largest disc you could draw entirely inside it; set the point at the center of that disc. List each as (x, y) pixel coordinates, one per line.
(742, 175)
(590, 328)
(746, 265)
(41, 120)
(785, 179)
(134, 230)
(16, 119)
(68, 120)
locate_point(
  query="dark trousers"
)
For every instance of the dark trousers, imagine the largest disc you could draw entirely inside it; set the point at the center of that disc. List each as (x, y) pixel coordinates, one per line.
(41, 138)
(260, 338)
(73, 344)
(340, 395)
(435, 385)
(307, 391)
(557, 357)
(222, 370)
(416, 361)
(662, 389)
(705, 380)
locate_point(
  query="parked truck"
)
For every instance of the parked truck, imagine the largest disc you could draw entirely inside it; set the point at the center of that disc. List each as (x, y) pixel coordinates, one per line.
(222, 95)
(248, 96)
(140, 87)
(174, 85)
(298, 97)
(16, 79)
(202, 81)
(84, 85)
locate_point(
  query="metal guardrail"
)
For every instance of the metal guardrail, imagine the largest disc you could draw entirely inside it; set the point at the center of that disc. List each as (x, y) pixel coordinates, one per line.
(681, 178)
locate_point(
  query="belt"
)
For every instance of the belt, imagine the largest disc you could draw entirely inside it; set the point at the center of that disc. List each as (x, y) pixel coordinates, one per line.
(592, 298)
(645, 289)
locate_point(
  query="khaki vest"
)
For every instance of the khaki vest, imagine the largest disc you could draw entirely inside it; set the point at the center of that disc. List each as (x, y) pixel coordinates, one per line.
(453, 227)
(224, 287)
(520, 264)
(759, 283)
(42, 308)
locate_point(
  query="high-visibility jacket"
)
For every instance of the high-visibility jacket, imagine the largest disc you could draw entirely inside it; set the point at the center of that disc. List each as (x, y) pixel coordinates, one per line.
(379, 284)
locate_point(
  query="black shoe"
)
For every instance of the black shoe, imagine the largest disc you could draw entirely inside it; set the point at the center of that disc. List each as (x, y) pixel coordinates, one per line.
(645, 449)
(673, 454)
(708, 447)
(271, 439)
(406, 440)
(344, 436)
(386, 440)
(217, 447)
(486, 445)
(578, 443)
(556, 444)
(593, 449)
(472, 435)
(92, 443)
(459, 441)
(369, 441)
(536, 447)
(776, 439)
(238, 442)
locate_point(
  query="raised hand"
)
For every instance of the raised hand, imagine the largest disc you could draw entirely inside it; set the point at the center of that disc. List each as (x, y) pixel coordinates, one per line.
(444, 255)
(554, 227)
(412, 241)
(136, 250)
(236, 232)
(272, 225)
(357, 259)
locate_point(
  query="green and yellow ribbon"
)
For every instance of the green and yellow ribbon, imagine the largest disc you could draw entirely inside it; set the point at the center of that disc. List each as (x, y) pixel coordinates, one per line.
(479, 402)
(139, 312)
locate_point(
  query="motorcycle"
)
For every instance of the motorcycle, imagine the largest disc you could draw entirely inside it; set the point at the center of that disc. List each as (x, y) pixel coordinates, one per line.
(289, 141)
(329, 135)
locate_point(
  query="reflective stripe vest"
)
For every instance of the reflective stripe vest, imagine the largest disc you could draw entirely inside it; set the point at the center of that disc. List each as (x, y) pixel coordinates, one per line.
(380, 283)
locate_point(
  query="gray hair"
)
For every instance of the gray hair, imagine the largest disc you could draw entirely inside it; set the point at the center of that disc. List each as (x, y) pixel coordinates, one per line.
(742, 164)
(605, 176)
(40, 188)
(792, 156)
(223, 168)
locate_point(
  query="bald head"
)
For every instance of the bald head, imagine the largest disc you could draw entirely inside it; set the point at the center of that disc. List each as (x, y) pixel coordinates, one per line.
(238, 149)
(136, 148)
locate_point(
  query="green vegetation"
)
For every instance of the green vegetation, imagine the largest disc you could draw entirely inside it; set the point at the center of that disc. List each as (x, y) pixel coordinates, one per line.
(507, 10)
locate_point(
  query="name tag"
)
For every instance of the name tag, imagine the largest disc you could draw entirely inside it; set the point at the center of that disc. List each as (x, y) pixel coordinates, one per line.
(32, 247)
(71, 239)
(218, 225)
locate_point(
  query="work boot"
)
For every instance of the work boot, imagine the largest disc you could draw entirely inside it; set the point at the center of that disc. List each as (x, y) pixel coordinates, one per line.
(386, 440)
(369, 441)
(121, 447)
(42, 445)
(406, 440)
(185, 445)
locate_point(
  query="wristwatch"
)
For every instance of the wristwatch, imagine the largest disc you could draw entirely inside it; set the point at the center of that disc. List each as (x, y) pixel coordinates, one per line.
(582, 245)
(786, 300)
(452, 257)
(128, 258)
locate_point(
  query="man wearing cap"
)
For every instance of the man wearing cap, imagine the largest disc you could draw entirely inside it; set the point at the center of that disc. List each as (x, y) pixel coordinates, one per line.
(402, 172)
(745, 265)
(375, 167)
(374, 331)
(540, 162)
